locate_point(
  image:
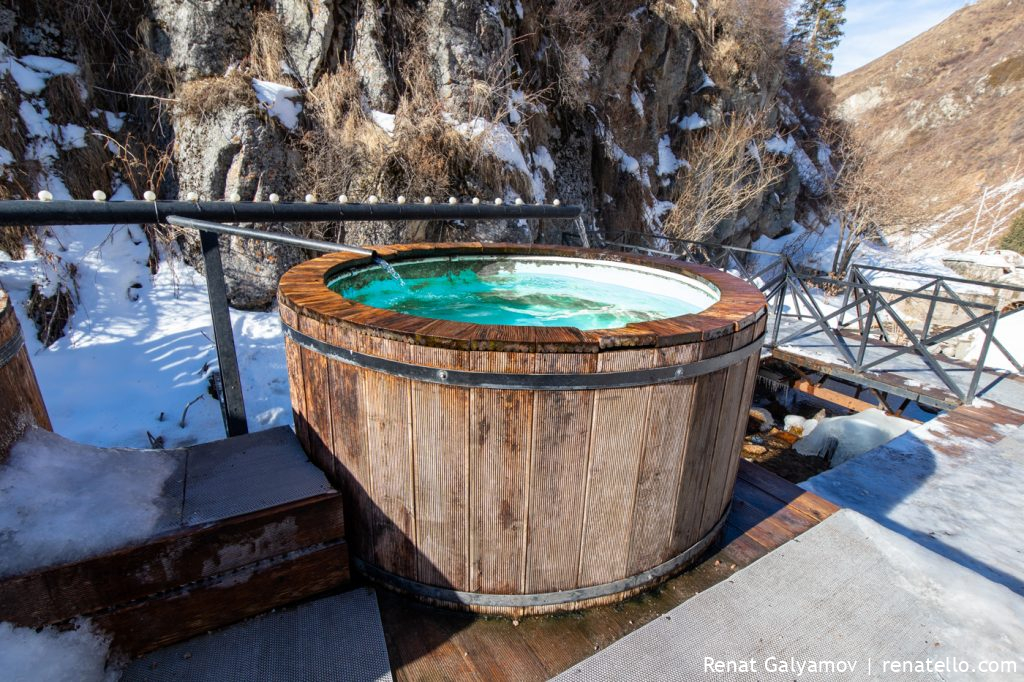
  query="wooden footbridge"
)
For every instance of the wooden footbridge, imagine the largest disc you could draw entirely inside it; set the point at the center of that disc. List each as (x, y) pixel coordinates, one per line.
(869, 329)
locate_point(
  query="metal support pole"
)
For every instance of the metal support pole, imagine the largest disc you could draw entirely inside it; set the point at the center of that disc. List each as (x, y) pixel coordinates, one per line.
(232, 404)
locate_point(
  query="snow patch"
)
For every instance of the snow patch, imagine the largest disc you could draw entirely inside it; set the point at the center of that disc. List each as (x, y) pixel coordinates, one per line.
(542, 159)
(851, 435)
(637, 99)
(277, 100)
(77, 655)
(385, 121)
(968, 506)
(61, 501)
(497, 140)
(668, 164)
(777, 145)
(810, 176)
(692, 122)
(1010, 333)
(30, 73)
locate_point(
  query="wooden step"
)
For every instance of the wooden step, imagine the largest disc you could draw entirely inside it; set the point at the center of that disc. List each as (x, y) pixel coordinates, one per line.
(250, 525)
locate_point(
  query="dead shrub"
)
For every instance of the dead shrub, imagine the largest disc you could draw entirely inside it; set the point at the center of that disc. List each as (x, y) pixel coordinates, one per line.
(740, 38)
(427, 153)
(52, 313)
(728, 167)
(580, 31)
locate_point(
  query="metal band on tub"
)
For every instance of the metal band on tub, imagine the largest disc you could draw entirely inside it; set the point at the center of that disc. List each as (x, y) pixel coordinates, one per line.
(10, 348)
(526, 382)
(537, 600)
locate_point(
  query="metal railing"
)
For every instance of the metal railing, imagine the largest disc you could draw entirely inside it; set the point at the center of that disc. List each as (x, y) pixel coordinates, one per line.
(868, 315)
(204, 217)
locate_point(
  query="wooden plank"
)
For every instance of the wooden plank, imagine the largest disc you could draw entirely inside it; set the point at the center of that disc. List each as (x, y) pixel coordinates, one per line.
(168, 562)
(660, 471)
(834, 397)
(21, 403)
(296, 385)
(224, 599)
(421, 640)
(316, 386)
(805, 502)
(426, 643)
(617, 442)
(703, 423)
(750, 382)
(501, 424)
(352, 461)
(387, 411)
(561, 439)
(440, 428)
(732, 424)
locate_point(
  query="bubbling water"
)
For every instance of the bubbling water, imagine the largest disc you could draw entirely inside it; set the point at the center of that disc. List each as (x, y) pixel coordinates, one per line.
(527, 291)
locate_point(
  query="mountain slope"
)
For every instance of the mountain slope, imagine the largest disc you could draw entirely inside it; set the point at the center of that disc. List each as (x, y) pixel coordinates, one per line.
(947, 110)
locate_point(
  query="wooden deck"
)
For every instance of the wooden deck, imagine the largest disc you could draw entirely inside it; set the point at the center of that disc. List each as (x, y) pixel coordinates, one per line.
(427, 643)
(906, 375)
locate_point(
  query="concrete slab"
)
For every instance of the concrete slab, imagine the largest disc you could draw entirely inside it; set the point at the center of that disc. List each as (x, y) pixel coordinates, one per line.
(847, 600)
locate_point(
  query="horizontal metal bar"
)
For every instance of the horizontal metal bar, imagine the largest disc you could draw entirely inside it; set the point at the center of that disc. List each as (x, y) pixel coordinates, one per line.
(944, 278)
(742, 249)
(867, 379)
(481, 599)
(24, 212)
(275, 237)
(815, 279)
(525, 382)
(10, 347)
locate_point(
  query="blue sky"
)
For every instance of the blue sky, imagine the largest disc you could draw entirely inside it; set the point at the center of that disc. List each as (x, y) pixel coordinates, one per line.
(873, 27)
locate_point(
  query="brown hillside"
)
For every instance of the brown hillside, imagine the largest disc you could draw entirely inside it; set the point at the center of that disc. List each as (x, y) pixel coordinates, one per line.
(947, 109)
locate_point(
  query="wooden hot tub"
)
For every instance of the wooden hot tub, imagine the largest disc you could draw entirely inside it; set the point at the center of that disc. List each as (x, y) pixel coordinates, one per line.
(514, 469)
(21, 403)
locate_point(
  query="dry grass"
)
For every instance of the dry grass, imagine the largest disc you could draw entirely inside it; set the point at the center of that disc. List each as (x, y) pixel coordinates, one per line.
(17, 180)
(66, 100)
(85, 169)
(946, 158)
(205, 96)
(267, 53)
(347, 153)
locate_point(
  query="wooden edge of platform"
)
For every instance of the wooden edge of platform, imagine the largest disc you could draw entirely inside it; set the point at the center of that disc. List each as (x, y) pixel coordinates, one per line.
(169, 561)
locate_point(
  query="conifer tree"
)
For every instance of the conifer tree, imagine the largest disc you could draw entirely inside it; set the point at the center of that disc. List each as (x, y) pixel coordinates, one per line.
(817, 29)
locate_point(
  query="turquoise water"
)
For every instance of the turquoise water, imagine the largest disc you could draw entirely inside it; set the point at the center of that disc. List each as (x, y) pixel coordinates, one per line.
(526, 292)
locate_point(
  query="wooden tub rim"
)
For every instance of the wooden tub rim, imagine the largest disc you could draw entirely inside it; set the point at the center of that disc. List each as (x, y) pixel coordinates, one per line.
(304, 290)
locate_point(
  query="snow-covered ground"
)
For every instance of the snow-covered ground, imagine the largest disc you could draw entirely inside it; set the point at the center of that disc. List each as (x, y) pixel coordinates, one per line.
(968, 507)
(51, 655)
(139, 347)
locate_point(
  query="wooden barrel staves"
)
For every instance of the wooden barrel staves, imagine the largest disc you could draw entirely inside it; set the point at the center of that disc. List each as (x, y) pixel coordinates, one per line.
(21, 403)
(517, 470)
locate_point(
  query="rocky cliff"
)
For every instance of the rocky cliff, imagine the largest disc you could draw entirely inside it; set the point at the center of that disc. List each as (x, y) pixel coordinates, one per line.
(599, 103)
